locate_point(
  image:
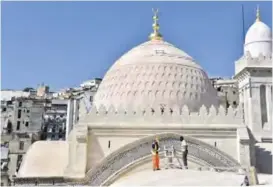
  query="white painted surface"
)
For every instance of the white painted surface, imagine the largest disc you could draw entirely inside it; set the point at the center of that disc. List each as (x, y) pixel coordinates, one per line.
(45, 159)
(155, 73)
(6, 95)
(258, 40)
(176, 177)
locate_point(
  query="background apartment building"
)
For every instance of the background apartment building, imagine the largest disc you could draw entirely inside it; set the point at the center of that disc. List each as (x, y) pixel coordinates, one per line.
(31, 115)
(227, 91)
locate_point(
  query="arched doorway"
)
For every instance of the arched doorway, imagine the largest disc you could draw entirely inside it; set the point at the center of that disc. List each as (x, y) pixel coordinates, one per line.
(122, 159)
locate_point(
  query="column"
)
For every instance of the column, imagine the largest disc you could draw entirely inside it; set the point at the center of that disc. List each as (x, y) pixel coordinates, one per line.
(269, 106)
(246, 116)
(255, 117)
(69, 117)
(75, 111)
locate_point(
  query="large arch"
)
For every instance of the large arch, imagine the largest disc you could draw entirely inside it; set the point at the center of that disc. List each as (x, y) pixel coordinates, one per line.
(124, 158)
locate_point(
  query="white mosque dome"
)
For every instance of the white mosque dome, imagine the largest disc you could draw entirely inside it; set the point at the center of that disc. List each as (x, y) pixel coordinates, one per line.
(155, 73)
(258, 39)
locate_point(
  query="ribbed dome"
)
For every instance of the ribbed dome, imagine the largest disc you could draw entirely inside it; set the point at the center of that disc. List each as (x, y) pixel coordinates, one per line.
(155, 73)
(258, 39)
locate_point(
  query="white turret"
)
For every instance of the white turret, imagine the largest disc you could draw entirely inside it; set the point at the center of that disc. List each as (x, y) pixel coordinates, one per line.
(258, 38)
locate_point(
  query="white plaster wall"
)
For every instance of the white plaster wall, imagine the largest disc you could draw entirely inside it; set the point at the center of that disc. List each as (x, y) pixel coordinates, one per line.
(227, 145)
(69, 118)
(116, 142)
(98, 146)
(149, 165)
(255, 49)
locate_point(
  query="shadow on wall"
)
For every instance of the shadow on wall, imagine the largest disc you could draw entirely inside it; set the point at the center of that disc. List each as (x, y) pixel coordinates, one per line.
(95, 152)
(263, 160)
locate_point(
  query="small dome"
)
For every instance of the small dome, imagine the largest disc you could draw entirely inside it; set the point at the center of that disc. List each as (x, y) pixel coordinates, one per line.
(258, 39)
(156, 73)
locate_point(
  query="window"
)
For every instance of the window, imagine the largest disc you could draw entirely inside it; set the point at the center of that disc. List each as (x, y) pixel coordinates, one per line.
(9, 128)
(19, 160)
(18, 125)
(20, 104)
(234, 103)
(234, 92)
(26, 124)
(4, 109)
(21, 145)
(91, 98)
(109, 144)
(27, 111)
(219, 89)
(19, 114)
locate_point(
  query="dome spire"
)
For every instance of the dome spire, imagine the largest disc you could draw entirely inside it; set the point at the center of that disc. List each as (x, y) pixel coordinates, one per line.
(258, 16)
(155, 35)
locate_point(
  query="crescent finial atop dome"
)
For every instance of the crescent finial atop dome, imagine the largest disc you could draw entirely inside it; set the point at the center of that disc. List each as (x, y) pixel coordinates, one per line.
(155, 35)
(258, 16)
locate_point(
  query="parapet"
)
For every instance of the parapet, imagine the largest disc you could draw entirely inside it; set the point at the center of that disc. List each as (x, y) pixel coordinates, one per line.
(166, 115)
(249, 61)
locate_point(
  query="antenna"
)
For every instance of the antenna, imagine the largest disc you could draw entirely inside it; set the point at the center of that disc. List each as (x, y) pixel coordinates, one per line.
(243, 31)
(243, 22)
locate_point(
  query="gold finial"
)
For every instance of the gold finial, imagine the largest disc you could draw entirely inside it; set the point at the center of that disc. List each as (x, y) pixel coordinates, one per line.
(155, 35)
(258, 16)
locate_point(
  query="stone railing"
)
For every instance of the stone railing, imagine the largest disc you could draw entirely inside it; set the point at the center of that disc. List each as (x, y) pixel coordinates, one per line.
(122, 158)
(164, 115)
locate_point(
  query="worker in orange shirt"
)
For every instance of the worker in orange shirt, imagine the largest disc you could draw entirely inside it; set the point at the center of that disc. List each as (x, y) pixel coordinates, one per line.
(155, 154)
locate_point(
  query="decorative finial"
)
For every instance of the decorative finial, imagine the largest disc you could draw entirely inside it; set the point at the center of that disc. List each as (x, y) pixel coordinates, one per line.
(155, 35)
(258, 16)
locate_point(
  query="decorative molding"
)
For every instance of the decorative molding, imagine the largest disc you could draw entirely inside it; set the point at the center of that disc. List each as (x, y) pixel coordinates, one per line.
(247, 61)
(124, 156)
(158, 114)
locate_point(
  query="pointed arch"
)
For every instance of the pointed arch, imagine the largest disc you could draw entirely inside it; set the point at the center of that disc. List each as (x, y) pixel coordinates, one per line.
(121, 160)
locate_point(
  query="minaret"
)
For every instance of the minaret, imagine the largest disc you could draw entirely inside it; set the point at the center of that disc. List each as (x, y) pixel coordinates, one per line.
(155, 35)
(254, 75)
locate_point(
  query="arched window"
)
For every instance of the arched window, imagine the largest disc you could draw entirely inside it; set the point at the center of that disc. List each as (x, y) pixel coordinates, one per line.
(263, 104)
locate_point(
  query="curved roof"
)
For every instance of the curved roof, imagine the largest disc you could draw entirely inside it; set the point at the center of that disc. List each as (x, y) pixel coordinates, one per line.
(258, 39)
(45, 159)
(155, 73)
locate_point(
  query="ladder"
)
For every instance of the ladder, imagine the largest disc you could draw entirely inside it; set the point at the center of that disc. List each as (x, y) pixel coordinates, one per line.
(169, 156)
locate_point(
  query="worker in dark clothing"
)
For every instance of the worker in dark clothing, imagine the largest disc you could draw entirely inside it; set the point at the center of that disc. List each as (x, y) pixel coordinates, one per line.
(184, 150)
(246, 182)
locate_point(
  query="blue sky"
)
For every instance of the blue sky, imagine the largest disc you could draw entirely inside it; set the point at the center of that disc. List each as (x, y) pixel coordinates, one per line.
(64, 43)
